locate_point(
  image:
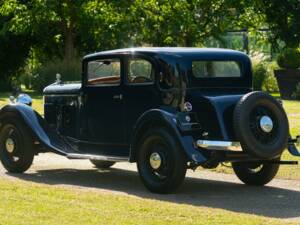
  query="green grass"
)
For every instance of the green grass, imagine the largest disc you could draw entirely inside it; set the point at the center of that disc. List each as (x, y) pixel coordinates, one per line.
(28, 203)
(292, 108)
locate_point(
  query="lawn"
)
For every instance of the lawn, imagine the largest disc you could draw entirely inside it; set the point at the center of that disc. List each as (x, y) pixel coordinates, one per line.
(292, 108)
(28, 203)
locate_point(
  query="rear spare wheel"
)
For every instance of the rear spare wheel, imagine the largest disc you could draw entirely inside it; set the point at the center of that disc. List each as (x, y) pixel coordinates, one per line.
(261, 125)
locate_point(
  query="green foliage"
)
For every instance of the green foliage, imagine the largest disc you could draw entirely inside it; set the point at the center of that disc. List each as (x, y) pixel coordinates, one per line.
(289, 58)
(259, 75)
(296, 94)
(66, 29)
(270, 85)
(283, 18)
(46, 73)
(14, 49)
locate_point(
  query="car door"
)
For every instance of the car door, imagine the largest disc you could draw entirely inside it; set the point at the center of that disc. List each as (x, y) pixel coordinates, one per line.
(103, 105)
(140, 90)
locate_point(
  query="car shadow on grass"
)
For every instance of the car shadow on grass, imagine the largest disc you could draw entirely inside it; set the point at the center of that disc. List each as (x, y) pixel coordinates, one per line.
(264, 201)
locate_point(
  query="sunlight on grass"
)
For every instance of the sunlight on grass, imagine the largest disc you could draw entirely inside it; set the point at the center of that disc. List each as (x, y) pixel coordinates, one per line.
(28, 203)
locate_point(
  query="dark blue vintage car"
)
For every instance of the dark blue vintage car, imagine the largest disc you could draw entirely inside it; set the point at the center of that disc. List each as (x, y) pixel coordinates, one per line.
(168, 109)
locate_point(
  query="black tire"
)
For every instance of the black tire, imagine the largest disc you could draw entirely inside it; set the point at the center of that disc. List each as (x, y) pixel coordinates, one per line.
(171, 172)
(255, 174)
(101, 164)
(13, 132)
(248, 113)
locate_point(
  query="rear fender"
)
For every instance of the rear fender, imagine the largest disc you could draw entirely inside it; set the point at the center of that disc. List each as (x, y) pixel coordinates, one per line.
(37, 125)
(162, 118)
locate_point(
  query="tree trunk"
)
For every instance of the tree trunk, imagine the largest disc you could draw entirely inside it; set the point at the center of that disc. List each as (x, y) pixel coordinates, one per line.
(68, 30)
(69, 45)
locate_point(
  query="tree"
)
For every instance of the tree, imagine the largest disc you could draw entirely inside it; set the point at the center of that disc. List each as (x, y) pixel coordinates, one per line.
(14, 49)
(283, 19)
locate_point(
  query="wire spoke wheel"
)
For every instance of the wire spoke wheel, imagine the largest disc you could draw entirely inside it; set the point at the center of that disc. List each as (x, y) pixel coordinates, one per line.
(255, 173)
(261, 125)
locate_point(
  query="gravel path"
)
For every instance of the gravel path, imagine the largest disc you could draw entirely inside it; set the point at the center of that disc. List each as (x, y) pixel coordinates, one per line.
(279, 199)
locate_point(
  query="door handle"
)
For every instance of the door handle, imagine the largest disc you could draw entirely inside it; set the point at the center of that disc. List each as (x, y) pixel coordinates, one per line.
(118, 97)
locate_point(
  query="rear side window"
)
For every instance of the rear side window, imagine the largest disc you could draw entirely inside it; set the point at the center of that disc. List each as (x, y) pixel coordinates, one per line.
(140, 71)
(211, 69)
(107, 71)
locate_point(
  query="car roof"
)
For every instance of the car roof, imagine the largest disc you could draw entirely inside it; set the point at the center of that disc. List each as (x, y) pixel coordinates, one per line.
(175, 51)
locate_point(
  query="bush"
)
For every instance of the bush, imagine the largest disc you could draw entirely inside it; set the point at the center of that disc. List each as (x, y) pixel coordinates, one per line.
(26, 80)
(296, 94)
(270, 85)
(46, 73)
(259, 75)
(289, 58)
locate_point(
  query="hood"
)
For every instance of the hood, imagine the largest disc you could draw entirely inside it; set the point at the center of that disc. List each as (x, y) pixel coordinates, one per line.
(69, 88)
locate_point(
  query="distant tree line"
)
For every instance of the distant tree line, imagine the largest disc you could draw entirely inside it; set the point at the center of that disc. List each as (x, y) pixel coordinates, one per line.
(36, 31)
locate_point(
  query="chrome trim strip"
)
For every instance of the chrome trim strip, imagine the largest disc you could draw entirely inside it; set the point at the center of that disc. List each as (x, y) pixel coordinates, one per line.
(219, 145)
(97, 157)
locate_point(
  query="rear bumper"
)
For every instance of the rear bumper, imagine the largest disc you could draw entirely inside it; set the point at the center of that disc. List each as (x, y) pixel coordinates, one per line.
(236, 146)
(219, 145)
(292, 146)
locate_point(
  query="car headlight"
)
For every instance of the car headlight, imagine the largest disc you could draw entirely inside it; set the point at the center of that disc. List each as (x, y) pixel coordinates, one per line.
(24, 99)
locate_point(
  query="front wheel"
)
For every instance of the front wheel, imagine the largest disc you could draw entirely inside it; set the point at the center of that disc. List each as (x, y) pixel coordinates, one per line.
(161, 163)
(16, 146)
(255, 173)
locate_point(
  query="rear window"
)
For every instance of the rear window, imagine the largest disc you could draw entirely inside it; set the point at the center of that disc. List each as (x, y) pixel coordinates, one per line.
(215, 69)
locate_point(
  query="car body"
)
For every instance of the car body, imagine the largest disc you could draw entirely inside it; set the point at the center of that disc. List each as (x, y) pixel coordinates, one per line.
(168, 109)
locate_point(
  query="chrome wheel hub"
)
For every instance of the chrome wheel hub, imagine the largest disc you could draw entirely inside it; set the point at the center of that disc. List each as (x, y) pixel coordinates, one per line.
(155, 160)
(266, 124)
(10, 145)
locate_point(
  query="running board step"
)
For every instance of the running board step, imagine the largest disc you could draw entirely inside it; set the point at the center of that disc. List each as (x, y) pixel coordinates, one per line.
(98, 157)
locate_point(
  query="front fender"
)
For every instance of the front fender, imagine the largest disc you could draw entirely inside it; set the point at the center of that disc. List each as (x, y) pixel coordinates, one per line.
(160, 117)
(37, 125)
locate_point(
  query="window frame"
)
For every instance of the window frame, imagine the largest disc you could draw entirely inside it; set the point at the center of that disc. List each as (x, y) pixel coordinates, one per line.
(239, 64)
(148, 59)
(85, 78)
(244, 81)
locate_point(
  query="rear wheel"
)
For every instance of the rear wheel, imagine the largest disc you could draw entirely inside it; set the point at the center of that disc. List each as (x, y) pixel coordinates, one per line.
(101, 164)
(16, 146)
(255, 173)
(161, 163)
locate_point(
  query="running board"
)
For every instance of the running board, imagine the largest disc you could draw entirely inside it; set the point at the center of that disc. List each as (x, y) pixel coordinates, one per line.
(97, 157)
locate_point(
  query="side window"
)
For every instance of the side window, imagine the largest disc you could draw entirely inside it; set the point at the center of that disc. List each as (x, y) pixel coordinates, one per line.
(107, 71)
(140, 71)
